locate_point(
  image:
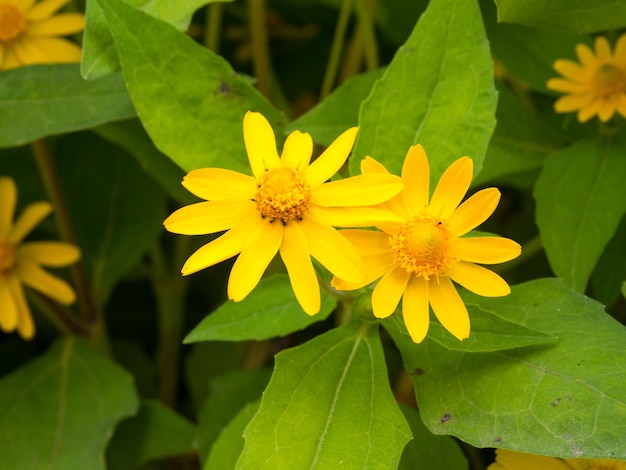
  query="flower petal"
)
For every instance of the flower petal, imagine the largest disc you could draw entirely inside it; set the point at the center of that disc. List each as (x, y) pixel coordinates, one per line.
(362, 190)
(294, 252)
(332, 159)
(260, 143)
(566, 86)
(332, 250)
(46, 50)
(448, 307)
(572, 70)
(369, 165)
(53, 254)
(451, 188)
(388, 291)
(59, 25)
(479, 280)
(44, 9)
(297, 150)
(416, 178)
(569, 103)
(25, 323)
(586, 111)
(28, 220)
(508, 459)
(603, 49)
(214, 184)
(8, 199)
(484, 250)
(11, 60)
(474, 211)
(354, 216)
(253, 260)
(377, 264)
(8, 306)
(619, 52)
(585, 55)
(222, 248)
(415, 308)
(209, 216)
(606, 111)
(42, 281)
(367, 241)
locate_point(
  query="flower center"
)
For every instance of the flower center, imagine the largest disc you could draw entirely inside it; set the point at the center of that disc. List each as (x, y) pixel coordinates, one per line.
(12, 21)
(282, 195)
(610, 81)
(421, 246)
(7, 256)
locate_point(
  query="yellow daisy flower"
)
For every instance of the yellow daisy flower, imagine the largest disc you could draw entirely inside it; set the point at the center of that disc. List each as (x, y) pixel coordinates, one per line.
(510, 460)
(287, 207)
(21, 263)
(29, 33)
(596, 86)
(418, 259)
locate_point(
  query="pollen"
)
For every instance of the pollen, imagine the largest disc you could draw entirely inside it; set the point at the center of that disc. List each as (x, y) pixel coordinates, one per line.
(7, 256)
(12, 21)
(610, 81)
(421, 247)
(282, 195)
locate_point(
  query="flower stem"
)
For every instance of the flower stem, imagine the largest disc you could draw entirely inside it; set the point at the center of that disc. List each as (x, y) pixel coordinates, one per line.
(330, 75)
(364, 10)
(260, 48)
(213, 26)
(59, 316)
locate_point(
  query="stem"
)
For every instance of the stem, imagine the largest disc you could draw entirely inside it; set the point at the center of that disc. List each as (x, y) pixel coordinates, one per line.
(50, 179)
(353, 58)
(364, 9)
(335, 50)
(213, 26)
(260, 49)
(59, 316)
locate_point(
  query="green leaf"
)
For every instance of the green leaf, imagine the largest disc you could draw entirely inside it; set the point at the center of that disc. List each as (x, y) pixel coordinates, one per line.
(427, 450)
(581, 198)
(190, 100)
(610, 271)
(438, 91)
(339, 110)
(44, 100)
(575, 16)
(328, 405)
(120, 208)
(58, 411)
(565, 399)
(269, 311)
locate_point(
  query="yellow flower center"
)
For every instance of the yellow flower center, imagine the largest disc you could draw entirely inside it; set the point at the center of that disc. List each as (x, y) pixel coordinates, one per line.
(282, 195)
(610, 81)
(12, 21)
(421, 246)
(7, 256)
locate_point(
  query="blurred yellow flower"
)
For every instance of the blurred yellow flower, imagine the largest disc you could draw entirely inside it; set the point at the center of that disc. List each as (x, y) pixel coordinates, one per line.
(287, 207)
(596, 85)
(21, 263)
(510, 460)
(420, 257)
(29, 33)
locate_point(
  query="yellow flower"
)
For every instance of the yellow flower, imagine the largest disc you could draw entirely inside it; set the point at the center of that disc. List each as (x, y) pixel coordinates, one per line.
(420, 257)
(595, 86)
(21, 263)
(287, 207)
(510, 460)
(29, 33)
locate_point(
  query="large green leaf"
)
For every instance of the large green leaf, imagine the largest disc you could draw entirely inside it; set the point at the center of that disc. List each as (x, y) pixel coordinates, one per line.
(576, 16)
(271, 310)
(581, 197)
(44, 100)
(566, 399)
(190, 100)
(328, 405)
(59, 410)
(438, 91)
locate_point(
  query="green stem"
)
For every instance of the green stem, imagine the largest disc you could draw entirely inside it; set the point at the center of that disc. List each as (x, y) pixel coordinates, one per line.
(364, 9)
(59, 316)
(330, 75)
(260, 48)
(213, 26)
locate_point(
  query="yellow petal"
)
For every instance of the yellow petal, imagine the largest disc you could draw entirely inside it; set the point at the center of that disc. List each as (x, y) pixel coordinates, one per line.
(569, 103)
(415, 308)
(451, 188)
(59, 25)
(46, 50)
(367, 241)
(620, 51)
(388, 291)
(253, 260)
(585, 55)
(294, 252)
(603, 49)
(484, 250)
(606, 111)
(25, 5)
(332, 159)
(572, 70)
(377, 264)
(621, 105)
(369, 165)
(25, 324)
(42, 281)
(214, 184)
(332, 250)
(11, 60)
(510, 460)
(566, 86)
(354, 216)
(28, 220)
(586, 111)
(362, 190)
(44, 9)
(297, 150)
(8, 199)
(416, 178)
(222, 248)
(260, 143)
(3, 49)
(8, 306)
(448, 307)
(52, 254)
(209, 216)
(474, 211)
(479, 280)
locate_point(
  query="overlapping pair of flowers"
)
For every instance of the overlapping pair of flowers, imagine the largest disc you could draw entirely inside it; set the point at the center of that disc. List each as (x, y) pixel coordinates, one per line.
(289, 207)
